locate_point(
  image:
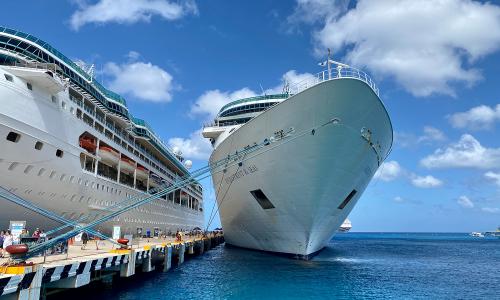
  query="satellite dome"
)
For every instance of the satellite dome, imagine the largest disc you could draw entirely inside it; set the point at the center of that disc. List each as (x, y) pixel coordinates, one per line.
(188, 164)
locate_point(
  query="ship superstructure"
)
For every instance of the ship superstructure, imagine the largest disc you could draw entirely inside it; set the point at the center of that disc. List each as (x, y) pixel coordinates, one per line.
(293, 198)
(70, 145)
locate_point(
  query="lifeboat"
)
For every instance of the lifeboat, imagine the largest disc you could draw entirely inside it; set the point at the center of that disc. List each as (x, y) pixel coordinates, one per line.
(88, 144)
(154, 180)
(109, 155)
(141, 172)
(127, 165)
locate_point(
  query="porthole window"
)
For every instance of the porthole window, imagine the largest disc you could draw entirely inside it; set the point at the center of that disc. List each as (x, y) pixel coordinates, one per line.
(38, 145)
(59, 153)
(8, 77)
(29, 86)
(13, 137)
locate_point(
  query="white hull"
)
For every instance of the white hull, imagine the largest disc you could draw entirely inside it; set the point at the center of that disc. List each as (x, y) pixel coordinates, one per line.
(307, 179)
(59, 184)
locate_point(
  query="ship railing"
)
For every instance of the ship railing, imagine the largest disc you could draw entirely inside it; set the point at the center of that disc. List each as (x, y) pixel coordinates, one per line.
(335, 73)
(220, 124)
(36, 65)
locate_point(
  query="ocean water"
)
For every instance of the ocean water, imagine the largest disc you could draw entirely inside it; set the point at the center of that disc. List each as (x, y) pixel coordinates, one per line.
(353, 266)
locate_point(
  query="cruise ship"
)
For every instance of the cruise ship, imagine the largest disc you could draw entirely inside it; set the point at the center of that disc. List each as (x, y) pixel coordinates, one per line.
(292, 198)
(71, 146)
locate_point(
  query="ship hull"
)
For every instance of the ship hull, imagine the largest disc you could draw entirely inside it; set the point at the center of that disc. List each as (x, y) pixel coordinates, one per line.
(308, 179)
(60, 184)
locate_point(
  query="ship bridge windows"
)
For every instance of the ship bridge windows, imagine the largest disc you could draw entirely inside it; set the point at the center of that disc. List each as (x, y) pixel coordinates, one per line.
(13, 137)
(256, 107)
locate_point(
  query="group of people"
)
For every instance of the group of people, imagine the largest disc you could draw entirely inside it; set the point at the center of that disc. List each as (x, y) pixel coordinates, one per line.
(7, 239)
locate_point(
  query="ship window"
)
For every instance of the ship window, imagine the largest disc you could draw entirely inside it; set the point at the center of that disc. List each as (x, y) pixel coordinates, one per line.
(8, 77)
(40, 173)
(29, 86)
(38, 145)
(54, 99)
(28, 169)
(262, 199)
(63, 105)
(59, 153)
(13, 137)
(347, 199)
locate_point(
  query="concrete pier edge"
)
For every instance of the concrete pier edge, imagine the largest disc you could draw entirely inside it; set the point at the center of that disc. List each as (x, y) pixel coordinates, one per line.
(31, 282)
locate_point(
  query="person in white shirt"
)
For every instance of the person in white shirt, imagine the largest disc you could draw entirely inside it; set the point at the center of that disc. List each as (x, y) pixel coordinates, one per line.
(8, 240)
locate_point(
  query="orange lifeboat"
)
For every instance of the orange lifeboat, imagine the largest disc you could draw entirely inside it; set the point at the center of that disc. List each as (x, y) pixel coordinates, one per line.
(127, 165)
(141, 172)
(88, 144)
(109, 155)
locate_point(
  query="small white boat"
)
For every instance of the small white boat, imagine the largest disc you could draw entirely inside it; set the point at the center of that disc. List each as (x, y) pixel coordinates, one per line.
(346, 226)
(476, 234)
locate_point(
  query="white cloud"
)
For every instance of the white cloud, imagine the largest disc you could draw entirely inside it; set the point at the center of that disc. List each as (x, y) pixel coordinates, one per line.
(142, 80)
(493, 176)
(312, 11)
(479, 117)
(429, 136)
(426, 46)
(426, 181)
(194, 147)
(130, 11)
(209, 103)
(388, 171)
(466, 153)
(398, 199)
(291, 78)
(492, 210)
(465, 202)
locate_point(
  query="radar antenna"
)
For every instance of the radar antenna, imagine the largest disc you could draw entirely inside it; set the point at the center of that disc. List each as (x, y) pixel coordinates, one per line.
(329, 62)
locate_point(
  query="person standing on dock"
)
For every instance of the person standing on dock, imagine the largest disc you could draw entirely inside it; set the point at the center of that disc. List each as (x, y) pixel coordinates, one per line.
(2, 233)
(85, 239)
(8, 239)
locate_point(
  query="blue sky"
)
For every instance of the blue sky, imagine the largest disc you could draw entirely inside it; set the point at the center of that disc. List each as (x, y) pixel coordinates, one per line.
(436, 64)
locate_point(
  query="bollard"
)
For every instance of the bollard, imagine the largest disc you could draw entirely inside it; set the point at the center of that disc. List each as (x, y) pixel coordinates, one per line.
(182, 250)
(167, 263)
(128, 269)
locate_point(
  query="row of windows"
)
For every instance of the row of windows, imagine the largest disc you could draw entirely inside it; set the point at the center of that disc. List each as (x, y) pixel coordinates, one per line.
(14, 137)
(247, 109)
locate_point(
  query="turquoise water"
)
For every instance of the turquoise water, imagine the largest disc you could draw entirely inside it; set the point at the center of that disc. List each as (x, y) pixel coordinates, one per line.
(353, 266)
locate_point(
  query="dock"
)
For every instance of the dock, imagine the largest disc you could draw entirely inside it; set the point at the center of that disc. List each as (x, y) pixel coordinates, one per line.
(43, 276)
